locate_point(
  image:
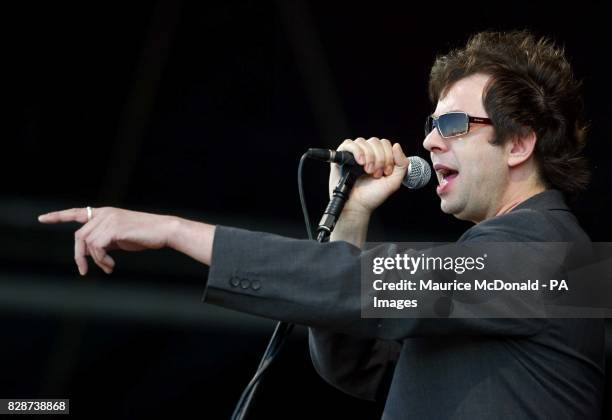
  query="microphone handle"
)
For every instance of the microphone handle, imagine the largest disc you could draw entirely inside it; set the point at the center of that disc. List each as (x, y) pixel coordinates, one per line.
(417, 175)
(328, 155)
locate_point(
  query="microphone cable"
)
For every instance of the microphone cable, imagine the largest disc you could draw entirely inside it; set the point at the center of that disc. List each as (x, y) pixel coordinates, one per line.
(282, 330)
(302, 196)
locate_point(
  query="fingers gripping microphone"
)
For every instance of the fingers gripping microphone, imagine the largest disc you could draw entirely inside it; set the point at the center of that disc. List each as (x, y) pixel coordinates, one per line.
(417, 175)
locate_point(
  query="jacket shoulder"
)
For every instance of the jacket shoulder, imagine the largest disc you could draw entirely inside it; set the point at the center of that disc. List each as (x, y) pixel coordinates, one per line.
(528, 225)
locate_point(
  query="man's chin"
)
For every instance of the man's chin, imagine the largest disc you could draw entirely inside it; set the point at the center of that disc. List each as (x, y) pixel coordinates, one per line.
(449, 207)
(446, 206)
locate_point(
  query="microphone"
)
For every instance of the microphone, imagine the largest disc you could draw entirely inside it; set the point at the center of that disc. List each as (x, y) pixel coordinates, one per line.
(417, 175)
(328, 155)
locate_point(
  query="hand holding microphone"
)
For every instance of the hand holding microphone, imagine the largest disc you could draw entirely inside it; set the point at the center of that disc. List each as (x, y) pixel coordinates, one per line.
(385, 163)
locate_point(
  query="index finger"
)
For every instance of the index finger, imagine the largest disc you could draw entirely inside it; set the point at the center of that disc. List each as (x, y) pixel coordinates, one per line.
(71, 215)
(355, 149)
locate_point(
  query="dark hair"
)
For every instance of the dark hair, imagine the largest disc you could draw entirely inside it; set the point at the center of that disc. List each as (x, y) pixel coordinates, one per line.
(531, 88)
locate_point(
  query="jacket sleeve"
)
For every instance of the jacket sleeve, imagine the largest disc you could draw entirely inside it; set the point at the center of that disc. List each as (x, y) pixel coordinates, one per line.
(319, 285)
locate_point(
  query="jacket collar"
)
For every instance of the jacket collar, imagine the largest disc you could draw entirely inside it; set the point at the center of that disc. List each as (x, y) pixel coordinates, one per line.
(546, 200)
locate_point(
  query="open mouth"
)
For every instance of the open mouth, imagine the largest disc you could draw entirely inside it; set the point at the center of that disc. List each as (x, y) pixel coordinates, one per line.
(446, 176)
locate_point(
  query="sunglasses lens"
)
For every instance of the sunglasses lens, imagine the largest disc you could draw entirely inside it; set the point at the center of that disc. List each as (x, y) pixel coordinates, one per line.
(453, 124)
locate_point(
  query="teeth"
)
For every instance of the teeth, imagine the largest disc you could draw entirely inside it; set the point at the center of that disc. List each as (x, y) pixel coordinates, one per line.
(444, 174)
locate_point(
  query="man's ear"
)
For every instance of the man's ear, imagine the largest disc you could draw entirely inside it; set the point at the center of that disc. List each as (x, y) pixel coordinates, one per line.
(521, 148)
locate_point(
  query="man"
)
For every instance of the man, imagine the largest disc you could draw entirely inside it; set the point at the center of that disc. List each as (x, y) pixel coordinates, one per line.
(504, 140)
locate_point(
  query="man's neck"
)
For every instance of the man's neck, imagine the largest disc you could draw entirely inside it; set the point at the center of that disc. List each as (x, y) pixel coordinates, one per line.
(514, 198)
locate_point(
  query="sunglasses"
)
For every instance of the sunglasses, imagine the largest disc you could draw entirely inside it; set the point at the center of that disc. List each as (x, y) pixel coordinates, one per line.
(452, 124)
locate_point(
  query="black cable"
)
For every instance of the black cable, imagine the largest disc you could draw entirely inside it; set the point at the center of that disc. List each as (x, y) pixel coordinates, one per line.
(282, 330)
(302, 197)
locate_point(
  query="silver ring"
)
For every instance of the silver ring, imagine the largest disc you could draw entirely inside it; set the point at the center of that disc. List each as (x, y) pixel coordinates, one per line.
(89, 213)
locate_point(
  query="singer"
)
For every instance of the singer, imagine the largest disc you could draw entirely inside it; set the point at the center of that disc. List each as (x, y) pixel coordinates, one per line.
(505, 140)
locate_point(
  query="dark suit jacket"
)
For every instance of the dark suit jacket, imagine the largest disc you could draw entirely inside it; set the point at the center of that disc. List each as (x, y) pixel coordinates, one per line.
(424, 368)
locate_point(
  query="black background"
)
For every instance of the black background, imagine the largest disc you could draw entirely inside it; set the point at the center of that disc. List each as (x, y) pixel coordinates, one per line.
(202, 109)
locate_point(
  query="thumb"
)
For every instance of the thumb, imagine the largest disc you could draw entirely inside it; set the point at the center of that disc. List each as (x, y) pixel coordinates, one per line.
(399, 157)
(401, 162)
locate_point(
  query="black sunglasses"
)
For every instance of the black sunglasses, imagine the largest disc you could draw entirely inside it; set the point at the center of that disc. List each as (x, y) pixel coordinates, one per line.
(453, 124)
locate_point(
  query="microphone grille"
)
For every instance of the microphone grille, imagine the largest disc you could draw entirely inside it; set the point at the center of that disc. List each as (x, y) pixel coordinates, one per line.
(419, 173)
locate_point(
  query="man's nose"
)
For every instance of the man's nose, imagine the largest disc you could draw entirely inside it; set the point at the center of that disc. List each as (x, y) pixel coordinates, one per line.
(434, 143)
